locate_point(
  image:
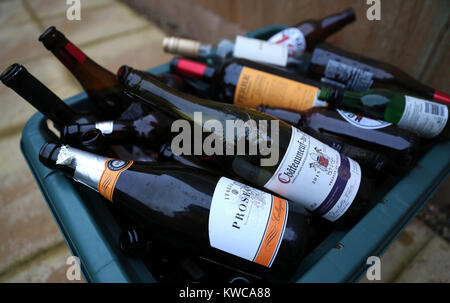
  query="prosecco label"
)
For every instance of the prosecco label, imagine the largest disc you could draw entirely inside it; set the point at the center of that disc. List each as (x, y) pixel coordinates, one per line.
(246, 222)
(293, 38)
(426, 118)
(316, 176)
(112, 172)
(361, 121)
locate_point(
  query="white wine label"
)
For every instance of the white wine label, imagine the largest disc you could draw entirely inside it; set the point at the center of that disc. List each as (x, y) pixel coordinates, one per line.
(316, 176)
(106, 127)
(361, 121)
(353, 78)
(246, 222)
(426, 118)
(261, 51)
(293, 38)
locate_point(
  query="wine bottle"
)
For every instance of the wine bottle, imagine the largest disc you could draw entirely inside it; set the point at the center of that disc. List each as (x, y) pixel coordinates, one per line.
(358, 73)
(249, 84)
(297, 166)
(374, 144)
(298, 38)
(196, 211)
(426, 118)
(305, 35)
(18, 78)
(100, 84)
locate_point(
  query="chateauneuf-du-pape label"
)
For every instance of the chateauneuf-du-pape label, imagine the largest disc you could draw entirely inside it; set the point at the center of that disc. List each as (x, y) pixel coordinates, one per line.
(293, 38)
(317, 176)
(426, 118)
(246, 222)
(361, 121)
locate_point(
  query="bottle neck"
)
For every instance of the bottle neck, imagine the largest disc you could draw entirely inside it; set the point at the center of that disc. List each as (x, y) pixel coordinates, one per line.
(114, 132)
(192, 69)
(37, 94)
(331, 24)
(84, 167)
(333, 96)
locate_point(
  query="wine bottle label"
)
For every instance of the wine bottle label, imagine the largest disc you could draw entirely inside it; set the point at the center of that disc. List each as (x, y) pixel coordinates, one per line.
(106, 127)
(362, 122)
(293, 38)
(322, 57)
(246, 222)
(260, 51)
(426, 118)
(353, 78)
(108, 180)
(255, 88)
(315, 175)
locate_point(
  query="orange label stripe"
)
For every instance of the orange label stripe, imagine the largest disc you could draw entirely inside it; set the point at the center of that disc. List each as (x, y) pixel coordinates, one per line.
(109, 179)
(273, 234)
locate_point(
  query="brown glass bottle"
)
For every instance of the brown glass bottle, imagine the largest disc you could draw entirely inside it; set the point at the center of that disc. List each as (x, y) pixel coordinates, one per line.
(300, 37)
(196, 211)
(359, 73)
(100, 84)
(306, 34)
(43, 99)
(374, 144)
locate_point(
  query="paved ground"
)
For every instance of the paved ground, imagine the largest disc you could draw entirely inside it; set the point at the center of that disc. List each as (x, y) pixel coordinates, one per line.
(31, 246)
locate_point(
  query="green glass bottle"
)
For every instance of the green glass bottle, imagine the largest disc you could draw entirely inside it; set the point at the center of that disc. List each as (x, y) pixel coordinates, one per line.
(296, 165)
(426, 118)
(198, 212)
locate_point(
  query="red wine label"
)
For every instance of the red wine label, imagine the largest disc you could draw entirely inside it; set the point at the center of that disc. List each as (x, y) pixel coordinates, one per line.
(260, 51)
(316, 176)
(108, 180)
(361, 121)
(246, 222)
(426, 118)
(75, 52)
(353, 78)
(293, 38)
(255, 88)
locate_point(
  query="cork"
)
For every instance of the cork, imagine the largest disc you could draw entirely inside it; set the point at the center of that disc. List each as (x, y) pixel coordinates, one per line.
(181, 46)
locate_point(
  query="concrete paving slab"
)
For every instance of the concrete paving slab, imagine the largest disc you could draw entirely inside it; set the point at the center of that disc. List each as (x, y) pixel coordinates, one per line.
(50, 267)
(431, 265)
(51, 8)
(141, 49)
(26, 224)
(408, 243)
(13, 12)
(98, 23)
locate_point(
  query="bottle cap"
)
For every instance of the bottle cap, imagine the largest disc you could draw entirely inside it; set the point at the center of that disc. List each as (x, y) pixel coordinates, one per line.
(52, 38)
(180, 46)
(12, 74)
